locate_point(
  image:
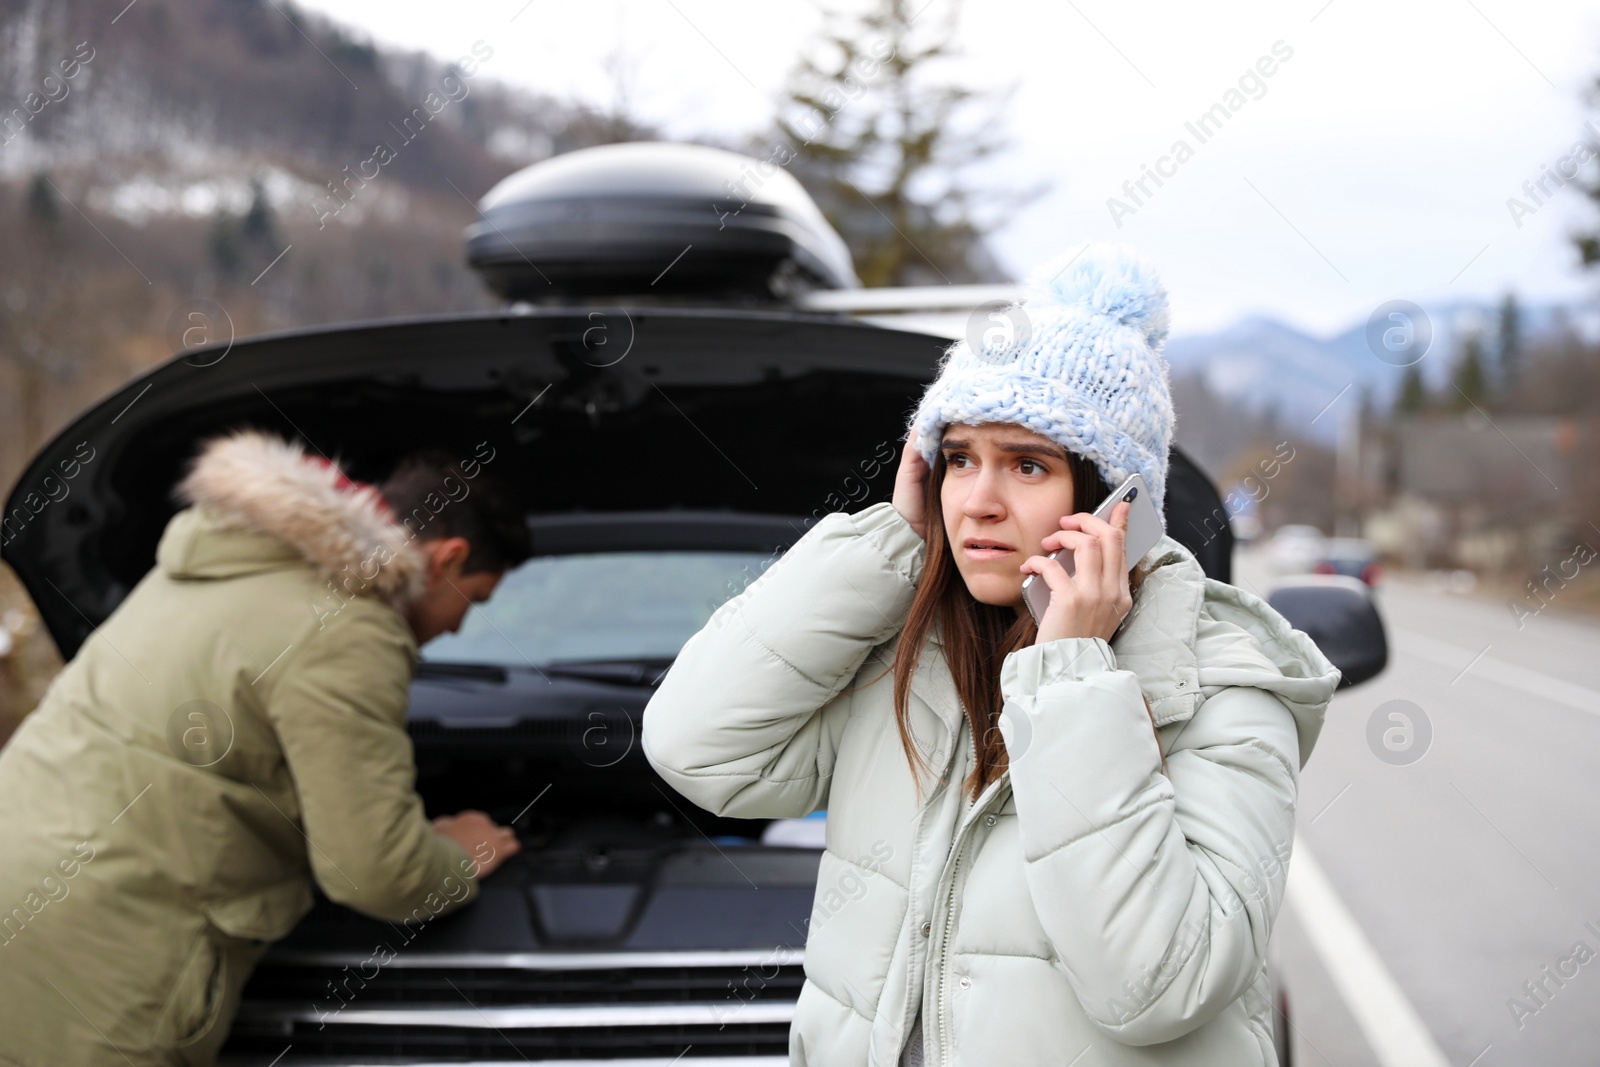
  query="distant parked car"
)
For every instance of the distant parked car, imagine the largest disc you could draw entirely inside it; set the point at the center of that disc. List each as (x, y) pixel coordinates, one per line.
(1296, 549)
(1353, 557)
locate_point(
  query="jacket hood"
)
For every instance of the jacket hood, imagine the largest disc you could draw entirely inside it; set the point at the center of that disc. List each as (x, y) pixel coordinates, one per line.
(260, 503)
(1190, 636)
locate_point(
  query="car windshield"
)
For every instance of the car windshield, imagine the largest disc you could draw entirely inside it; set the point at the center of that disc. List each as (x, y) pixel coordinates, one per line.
(598, 606)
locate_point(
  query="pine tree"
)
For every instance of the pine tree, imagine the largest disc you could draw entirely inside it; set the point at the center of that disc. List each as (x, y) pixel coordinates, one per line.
(883, 140)
(44, 206)
(260, 221)
(224, 245)
(620, 121)
(1508, 351)
(1471, 385)
(1588, 244)
(1413, 394)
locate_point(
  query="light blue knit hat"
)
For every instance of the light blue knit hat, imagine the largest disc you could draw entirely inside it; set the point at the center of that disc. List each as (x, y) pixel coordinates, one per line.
(1087, 373)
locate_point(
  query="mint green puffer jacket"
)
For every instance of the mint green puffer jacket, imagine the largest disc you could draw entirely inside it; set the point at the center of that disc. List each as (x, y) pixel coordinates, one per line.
(1090, 907)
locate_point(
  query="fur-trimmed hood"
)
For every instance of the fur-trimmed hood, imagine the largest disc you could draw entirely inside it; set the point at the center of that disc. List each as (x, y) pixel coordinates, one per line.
(257, 482)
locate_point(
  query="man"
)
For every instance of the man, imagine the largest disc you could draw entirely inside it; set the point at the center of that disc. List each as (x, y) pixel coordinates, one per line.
(233, 730)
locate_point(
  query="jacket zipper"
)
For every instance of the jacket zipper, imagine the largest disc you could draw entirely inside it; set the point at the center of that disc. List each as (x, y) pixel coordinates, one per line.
(941, 1017)
(944, 944)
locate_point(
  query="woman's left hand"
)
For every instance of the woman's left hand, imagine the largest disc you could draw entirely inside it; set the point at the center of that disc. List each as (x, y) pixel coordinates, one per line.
(1094, 599)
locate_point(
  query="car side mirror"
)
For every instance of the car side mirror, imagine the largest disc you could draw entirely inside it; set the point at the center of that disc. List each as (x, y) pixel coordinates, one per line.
(1339, 616)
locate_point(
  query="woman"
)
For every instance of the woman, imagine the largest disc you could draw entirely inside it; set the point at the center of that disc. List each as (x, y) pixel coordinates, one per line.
(1051, 844)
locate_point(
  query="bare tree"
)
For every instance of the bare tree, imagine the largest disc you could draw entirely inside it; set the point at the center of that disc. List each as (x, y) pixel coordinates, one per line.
(619, 120)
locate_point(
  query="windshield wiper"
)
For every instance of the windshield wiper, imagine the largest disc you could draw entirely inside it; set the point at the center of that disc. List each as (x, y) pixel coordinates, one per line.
(438, 668)
(641, 672)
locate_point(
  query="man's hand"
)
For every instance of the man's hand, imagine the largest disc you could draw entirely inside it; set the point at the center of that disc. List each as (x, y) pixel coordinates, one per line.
(910, 481)
(1092, 601)
(487, 842)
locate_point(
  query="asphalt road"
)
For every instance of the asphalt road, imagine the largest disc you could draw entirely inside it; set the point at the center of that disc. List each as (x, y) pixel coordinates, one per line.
(1458, 868)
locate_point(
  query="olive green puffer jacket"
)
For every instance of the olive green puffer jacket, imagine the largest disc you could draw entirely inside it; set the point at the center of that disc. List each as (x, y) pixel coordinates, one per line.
(235, 729)
(1091, 907)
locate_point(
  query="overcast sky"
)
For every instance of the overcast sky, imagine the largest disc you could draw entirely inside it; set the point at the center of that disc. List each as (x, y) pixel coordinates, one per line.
(1376, 164)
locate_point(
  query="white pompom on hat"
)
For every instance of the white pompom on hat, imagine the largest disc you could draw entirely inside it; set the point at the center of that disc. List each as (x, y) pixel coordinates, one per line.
(1089, 375)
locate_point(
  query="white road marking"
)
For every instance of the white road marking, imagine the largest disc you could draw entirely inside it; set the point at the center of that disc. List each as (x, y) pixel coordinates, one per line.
(1494, 669)
(1386, 1016)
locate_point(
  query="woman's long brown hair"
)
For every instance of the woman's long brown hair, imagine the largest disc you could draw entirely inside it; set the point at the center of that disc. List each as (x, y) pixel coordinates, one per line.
(976, 637)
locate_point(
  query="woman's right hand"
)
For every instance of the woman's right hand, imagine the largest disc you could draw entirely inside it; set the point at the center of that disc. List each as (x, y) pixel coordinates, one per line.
(910, 486)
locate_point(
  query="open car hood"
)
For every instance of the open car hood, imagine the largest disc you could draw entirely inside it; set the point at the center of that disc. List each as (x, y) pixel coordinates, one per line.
(598, 409)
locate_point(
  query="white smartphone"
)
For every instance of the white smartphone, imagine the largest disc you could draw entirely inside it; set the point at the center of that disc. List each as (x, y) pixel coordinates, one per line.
(1145, 528)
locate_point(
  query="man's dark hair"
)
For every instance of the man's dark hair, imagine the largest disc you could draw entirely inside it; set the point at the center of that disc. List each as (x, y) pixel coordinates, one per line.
(432, 497)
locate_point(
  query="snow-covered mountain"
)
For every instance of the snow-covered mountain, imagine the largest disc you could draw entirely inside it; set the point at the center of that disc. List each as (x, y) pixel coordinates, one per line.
(175, 107)
(1261, 364)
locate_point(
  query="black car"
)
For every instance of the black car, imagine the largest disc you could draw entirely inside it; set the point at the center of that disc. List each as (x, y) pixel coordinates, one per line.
(675, 419)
